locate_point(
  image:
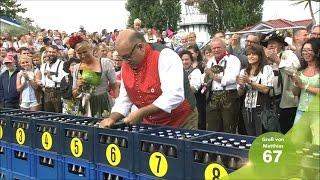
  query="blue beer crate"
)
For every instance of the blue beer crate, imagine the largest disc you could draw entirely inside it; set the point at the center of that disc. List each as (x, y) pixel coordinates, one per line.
(6, 109)
(5, 129)
(48, 165)
(74, 168)
(145, 177)
(48, 134)
(114, 146)
(5, 155)
(18, 176)
(106, 172)
(5, 174)
(22, 160)
(22, 127)
(228, 150)
(161, 152)
(78, 138)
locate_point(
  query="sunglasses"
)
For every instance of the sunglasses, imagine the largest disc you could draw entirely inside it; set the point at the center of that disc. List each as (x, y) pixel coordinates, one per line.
(128, 56)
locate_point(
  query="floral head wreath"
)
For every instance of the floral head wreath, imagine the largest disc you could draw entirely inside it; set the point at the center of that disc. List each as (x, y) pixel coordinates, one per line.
(74, 40)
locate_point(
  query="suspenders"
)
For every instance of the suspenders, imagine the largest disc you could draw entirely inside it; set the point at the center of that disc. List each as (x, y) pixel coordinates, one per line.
(56, 73)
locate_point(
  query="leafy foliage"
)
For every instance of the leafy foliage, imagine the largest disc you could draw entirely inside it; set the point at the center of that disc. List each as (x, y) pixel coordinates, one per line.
(231, 15)
(154, 14)
(11, 8)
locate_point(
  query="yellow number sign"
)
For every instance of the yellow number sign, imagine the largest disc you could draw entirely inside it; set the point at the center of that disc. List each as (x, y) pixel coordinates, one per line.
(158, 164)
(76, 147)
(20, 136)
(113, 154)
(1, 132)
(215, 171)
(46, 140)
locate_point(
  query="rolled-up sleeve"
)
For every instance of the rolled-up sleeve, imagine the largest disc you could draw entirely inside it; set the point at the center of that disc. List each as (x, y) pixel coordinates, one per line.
(231, 71)
(123, 103)
(171, 77)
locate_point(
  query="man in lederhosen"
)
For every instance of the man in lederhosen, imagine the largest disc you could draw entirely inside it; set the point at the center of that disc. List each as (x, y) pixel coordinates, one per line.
(52, 73)
(223, 103)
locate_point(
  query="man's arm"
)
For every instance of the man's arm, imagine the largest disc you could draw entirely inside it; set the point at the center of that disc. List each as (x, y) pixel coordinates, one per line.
(120, 109)
(231, 72)
(172, 81)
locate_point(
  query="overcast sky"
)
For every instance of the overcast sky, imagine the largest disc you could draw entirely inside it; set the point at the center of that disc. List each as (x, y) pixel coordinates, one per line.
(111, 14)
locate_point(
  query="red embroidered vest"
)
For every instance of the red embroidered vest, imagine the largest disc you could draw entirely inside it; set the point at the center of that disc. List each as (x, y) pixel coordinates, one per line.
(144, 87)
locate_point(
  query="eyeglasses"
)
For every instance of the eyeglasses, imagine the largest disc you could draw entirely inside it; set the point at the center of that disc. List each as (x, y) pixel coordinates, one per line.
(307, 50)
(315, 34)
(251, 42)
(128, 56)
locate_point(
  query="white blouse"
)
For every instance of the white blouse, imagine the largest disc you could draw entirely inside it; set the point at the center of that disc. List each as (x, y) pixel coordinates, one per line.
(195, 79)
(265, 77)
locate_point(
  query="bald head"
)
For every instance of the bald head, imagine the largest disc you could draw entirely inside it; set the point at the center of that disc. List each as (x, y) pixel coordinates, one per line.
(130, 46)
(128, 37)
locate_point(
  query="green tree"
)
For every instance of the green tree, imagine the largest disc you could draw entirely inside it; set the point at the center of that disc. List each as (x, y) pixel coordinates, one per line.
(154, 13)
(309, 4)
(231, 15)
(11, 8)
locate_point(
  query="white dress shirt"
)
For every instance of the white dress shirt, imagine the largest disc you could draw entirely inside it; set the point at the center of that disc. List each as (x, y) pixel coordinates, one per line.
(228, 77)
(172, 85)
(45, 68)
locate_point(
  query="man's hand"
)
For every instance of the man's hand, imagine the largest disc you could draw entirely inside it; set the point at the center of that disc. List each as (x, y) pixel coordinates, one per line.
(134, 117)
(272, 55)
(216, 77)
(108, 122)
(49, 76)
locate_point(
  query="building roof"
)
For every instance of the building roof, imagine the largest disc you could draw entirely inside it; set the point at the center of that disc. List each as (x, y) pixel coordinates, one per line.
(305, 22)
(9, 20)
(279, 23)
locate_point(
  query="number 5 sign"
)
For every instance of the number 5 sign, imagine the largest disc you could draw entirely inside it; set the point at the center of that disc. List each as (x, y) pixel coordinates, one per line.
(76, 147)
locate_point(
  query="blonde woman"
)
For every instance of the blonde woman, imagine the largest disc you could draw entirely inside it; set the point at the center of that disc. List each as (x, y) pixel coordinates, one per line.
(28, 84)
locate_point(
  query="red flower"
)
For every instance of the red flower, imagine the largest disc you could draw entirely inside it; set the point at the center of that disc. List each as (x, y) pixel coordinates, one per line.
(74, 40)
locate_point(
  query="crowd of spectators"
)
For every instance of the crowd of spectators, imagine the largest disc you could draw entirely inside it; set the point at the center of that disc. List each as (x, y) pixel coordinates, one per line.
(233, 83)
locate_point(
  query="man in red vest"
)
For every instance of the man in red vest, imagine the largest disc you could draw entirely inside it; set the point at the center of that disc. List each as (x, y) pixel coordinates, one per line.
(154, 81)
